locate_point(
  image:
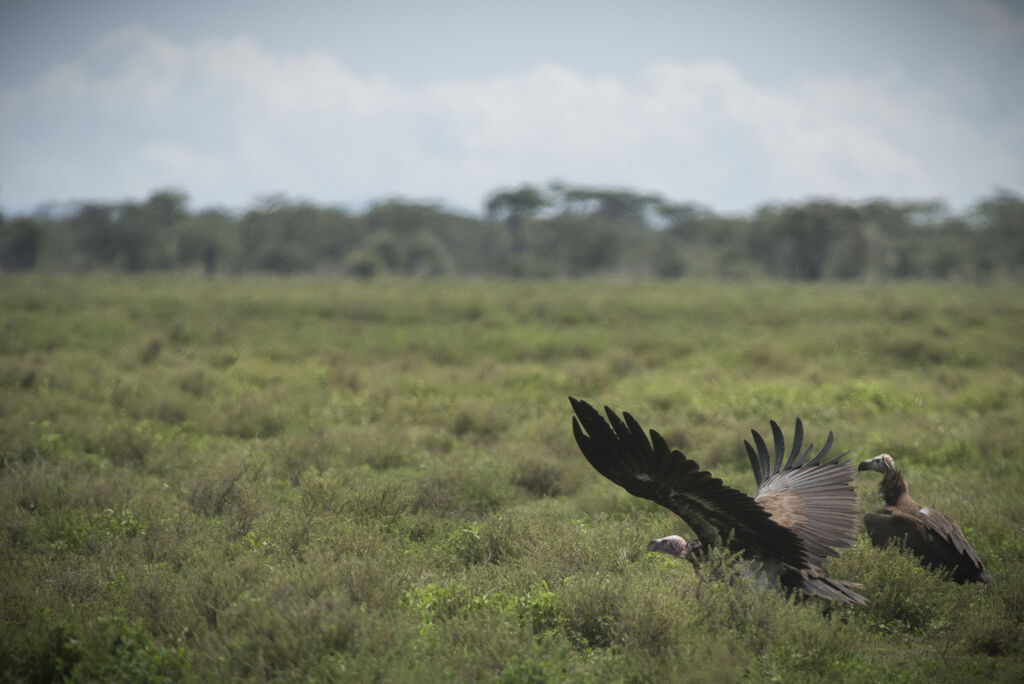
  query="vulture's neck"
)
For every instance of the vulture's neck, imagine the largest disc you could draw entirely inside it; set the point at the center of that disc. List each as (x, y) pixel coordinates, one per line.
(894, 488)
(696, 553)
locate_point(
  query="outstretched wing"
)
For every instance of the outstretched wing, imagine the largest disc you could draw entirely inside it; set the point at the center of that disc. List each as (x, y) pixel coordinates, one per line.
(647, 468)
(813, 496)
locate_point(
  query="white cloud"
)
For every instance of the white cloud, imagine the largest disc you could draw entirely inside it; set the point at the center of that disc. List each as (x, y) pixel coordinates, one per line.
(226, 119)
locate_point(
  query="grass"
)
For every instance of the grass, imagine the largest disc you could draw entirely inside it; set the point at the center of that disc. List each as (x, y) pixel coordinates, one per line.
(319, 479)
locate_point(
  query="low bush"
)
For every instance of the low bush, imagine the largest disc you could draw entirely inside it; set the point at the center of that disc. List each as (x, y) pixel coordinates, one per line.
(207, 479)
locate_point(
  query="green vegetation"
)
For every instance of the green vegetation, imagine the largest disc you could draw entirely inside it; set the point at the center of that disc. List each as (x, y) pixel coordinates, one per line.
(230, 479)
(529, 232)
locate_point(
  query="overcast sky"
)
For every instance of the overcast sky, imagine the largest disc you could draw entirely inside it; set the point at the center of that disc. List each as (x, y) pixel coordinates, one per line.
(730, 104)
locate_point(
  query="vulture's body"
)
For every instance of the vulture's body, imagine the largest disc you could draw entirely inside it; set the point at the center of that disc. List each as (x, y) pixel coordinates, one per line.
(804, 508)
(931, 536)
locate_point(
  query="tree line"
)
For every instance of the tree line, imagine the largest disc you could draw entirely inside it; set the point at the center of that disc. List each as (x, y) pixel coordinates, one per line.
(557, 230)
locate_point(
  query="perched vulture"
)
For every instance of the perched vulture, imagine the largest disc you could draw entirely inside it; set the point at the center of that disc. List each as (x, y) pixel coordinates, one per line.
(803, 508)
(933, 537)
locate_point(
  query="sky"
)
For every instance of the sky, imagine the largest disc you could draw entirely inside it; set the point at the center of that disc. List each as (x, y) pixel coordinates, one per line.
(732, 105)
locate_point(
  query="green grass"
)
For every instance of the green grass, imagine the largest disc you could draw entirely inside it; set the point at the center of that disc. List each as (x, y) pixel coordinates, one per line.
(320, 479)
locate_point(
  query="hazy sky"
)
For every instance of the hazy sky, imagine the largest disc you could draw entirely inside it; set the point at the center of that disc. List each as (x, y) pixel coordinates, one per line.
(730, 104)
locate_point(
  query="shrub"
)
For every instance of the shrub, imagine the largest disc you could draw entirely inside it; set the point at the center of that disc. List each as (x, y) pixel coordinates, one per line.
(127, 652)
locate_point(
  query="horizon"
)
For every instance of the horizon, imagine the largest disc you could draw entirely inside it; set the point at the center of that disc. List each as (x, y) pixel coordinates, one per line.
(65, 208)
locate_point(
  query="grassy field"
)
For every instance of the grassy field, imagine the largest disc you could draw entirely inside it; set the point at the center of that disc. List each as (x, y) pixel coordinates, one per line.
(321, 479)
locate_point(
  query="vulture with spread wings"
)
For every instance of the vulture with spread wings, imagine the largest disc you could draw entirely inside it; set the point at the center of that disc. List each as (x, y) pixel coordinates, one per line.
(804, 508)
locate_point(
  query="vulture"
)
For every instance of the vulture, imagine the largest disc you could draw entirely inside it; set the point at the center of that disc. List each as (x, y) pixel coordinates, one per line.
(931, 536)
(804, 506)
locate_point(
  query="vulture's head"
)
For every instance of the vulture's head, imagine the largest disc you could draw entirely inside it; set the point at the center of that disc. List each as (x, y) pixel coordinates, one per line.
(673, 545)
(881, 463)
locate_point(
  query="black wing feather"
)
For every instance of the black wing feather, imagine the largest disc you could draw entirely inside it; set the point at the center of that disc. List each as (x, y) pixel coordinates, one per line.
(755, 463)
(619, 450)
(824, 450)
(780, 445)
(762, 455)
(798, 440)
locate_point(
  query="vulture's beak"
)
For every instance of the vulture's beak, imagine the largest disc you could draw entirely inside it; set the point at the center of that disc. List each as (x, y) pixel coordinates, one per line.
(875, 464)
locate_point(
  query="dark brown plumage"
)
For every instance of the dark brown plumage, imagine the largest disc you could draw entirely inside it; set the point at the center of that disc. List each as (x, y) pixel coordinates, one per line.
(933, 537)
(804, 507)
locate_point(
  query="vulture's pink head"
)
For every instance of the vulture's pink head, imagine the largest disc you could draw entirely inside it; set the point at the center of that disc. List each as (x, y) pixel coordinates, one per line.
(673, 545)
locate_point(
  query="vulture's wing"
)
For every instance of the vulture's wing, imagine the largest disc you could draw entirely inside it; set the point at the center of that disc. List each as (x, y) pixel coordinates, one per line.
(946, 528)
(647, 468)
(892, 524)
(812, 496)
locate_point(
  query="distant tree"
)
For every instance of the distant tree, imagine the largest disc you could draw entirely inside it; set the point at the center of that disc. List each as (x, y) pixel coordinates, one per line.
(404, 217)
(607, 203)
(513, 208)
(1000, 221)
(558, 230)
(284, 236)
(667, 260)
(795, 241)
(97, 234)
(688, 221)
(363, 262)
(425, 255)
(386, 251)
(1004, 210)
(20, 242)
(272, 233)
(575, 246)
(413, 238)
(205, 240)
(164, 208)
(129, 236)
(145, 230)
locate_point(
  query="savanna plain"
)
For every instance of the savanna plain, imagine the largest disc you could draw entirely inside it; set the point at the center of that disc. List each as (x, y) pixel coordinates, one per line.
(322, 479)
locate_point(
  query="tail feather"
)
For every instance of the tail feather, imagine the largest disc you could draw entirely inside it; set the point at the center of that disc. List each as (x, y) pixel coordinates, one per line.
(833, 590)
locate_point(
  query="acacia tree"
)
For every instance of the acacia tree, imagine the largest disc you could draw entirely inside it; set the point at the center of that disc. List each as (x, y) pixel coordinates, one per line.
(610, 204)
(513, 208)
